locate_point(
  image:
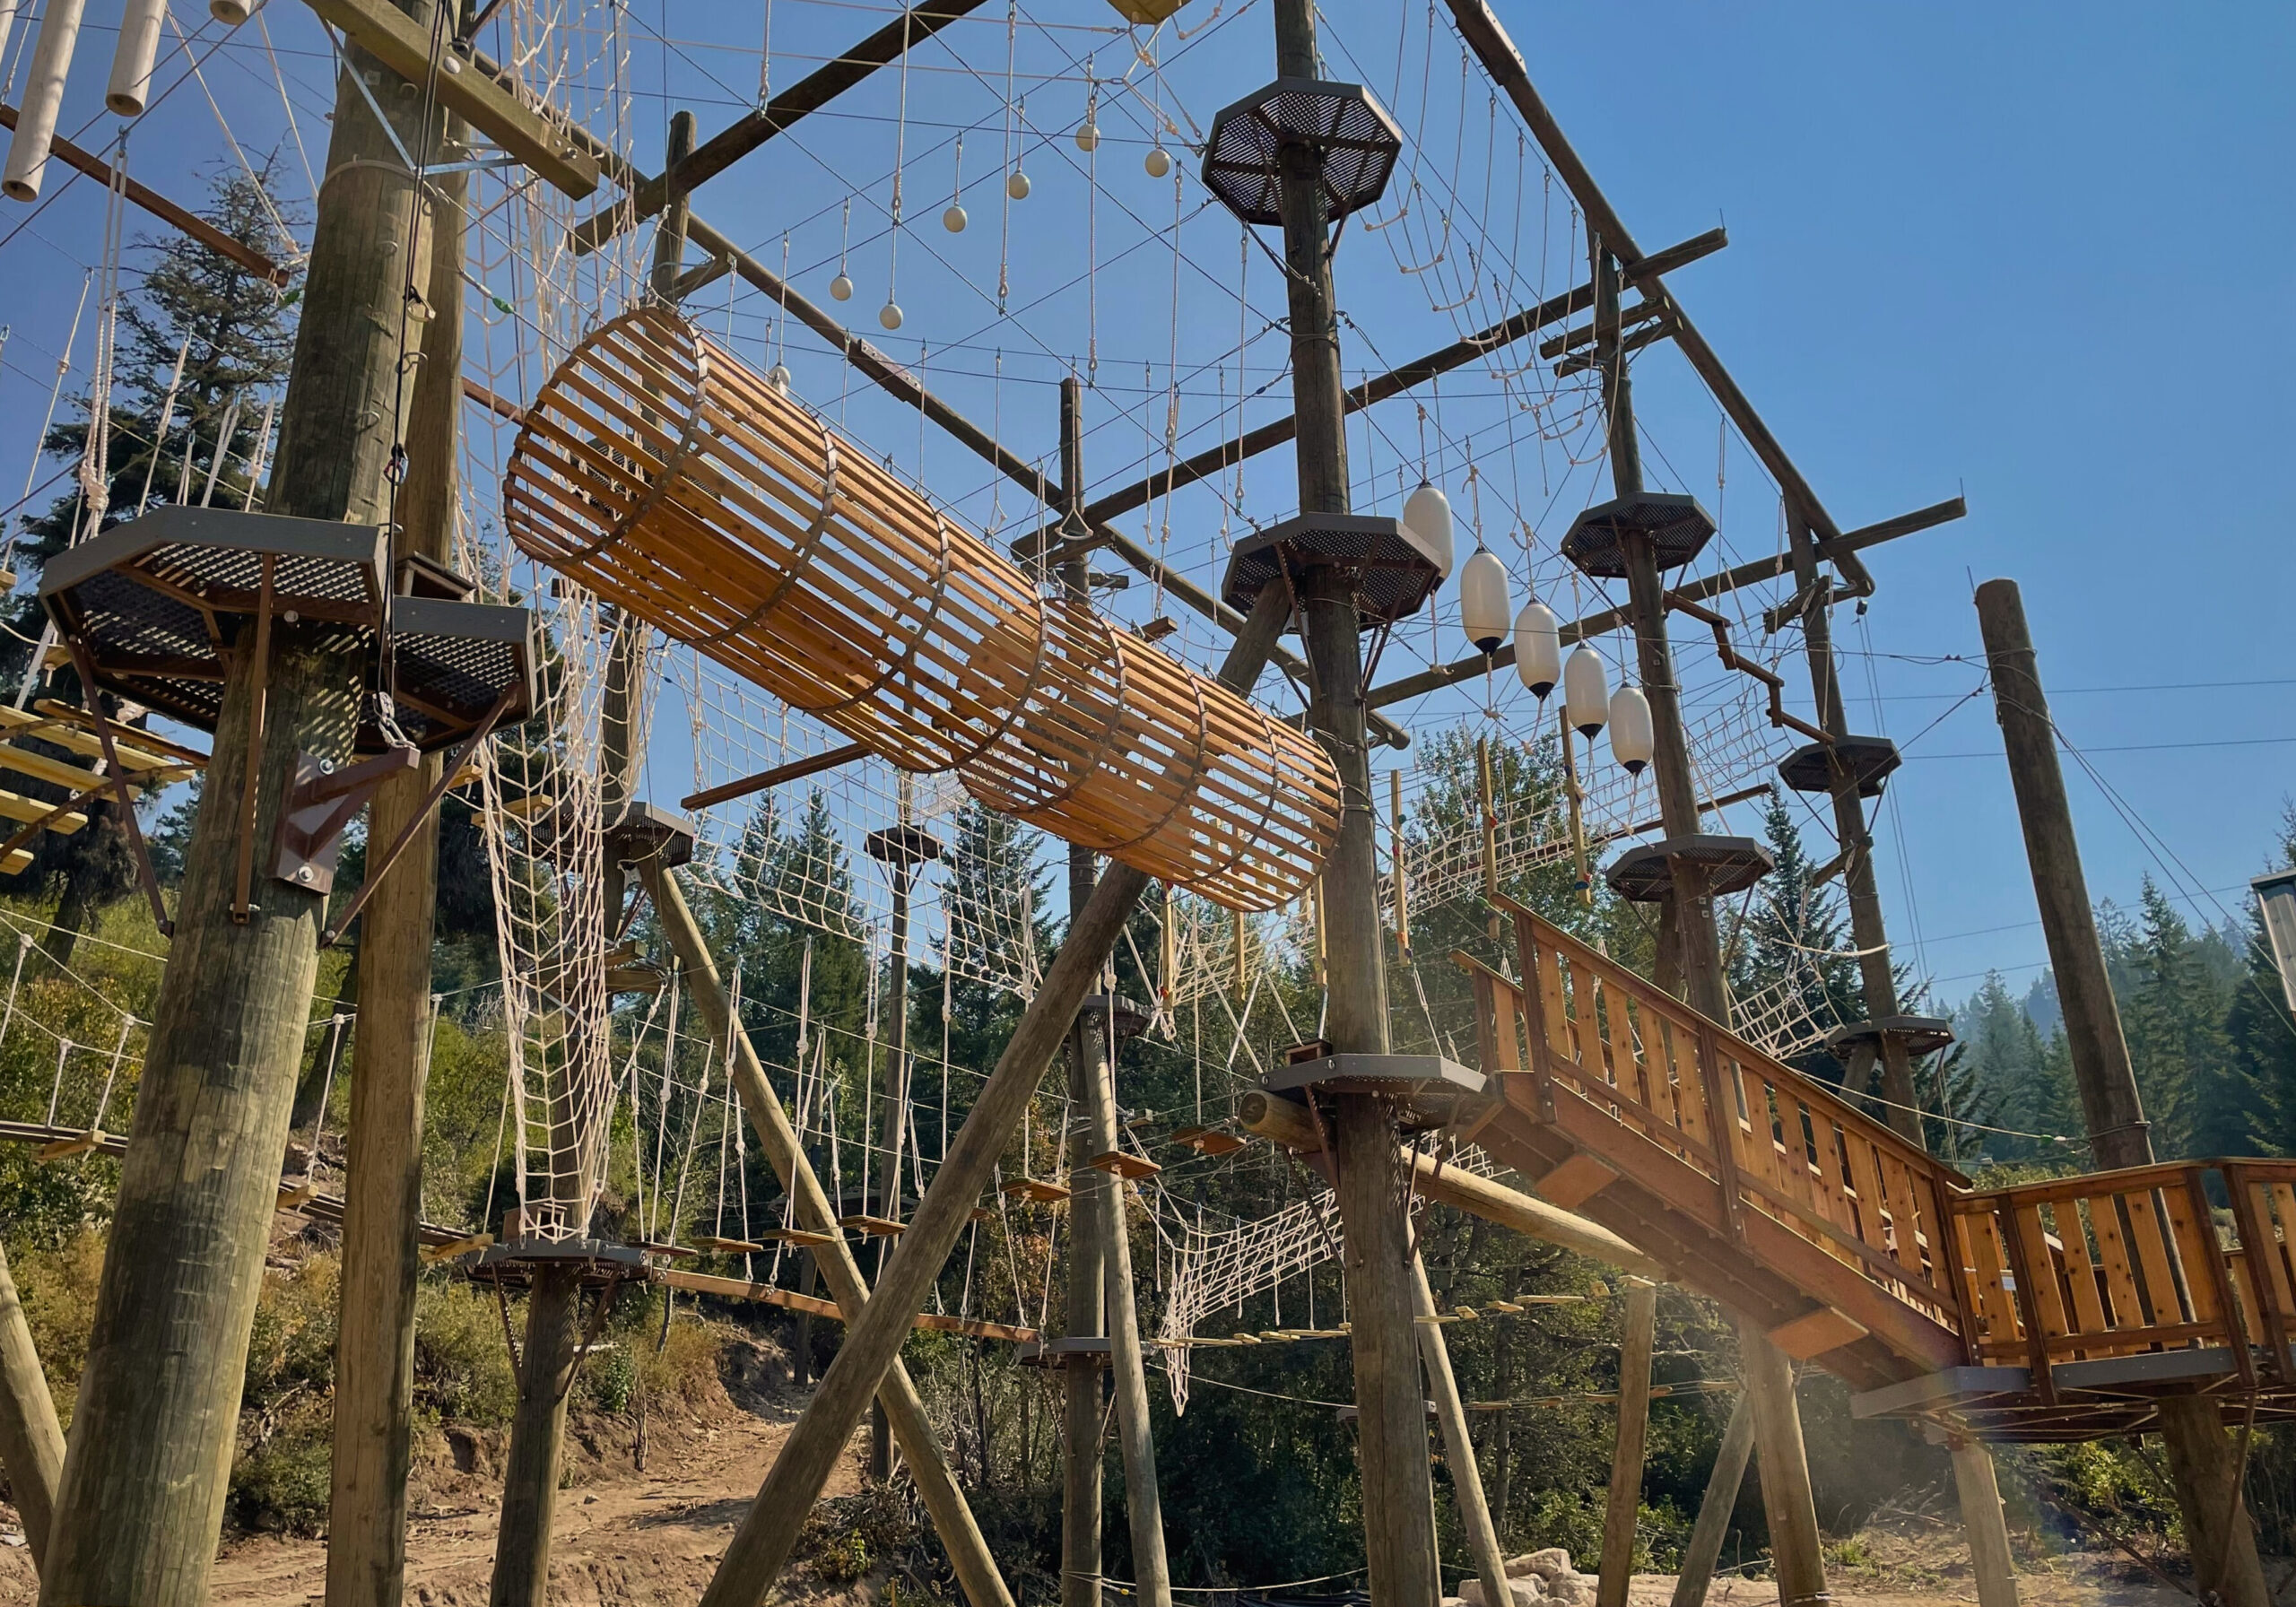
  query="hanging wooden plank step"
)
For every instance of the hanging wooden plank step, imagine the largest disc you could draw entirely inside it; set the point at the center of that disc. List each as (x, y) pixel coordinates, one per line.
(982, 1214)
(39, 767)
(727, 1247)
(15, 806)
(133, 736)
(1209, 1141)
(1119, 1163)
(806, 1237)
(65, 1148)
(139, 754)
(16, 863)
(469, 1245)
(1038, 1189)
(653, 1248)
(875, 1227)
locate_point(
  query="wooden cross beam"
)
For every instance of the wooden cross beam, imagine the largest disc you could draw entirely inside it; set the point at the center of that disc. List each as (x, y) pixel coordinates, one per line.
(810, 93)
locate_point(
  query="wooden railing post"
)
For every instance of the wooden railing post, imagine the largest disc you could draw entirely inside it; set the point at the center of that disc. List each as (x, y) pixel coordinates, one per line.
(1722, 1113)
(2257, 1246)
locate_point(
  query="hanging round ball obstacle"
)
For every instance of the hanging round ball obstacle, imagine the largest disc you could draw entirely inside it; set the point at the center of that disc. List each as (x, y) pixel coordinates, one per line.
(660, 471)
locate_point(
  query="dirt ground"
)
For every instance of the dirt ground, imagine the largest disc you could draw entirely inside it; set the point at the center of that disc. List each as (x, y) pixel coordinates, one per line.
(626, 1538)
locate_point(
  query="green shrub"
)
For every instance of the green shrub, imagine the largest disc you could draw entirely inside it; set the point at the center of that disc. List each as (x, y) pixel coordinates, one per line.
(281, 1487)
(462, 1368)
(610, 1377)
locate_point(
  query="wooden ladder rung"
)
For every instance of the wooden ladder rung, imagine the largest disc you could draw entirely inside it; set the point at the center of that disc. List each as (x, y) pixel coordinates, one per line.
(15, 806)
(71, 730)
(1119, 1163)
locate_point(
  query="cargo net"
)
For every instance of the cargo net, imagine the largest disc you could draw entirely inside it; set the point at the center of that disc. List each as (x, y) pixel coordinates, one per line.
(799, 852)
(537, 788)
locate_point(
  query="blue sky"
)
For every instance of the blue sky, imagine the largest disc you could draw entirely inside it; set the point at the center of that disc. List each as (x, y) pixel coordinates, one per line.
(2037, 255)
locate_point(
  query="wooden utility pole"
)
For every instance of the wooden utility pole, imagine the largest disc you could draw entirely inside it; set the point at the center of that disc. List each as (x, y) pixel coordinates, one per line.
(785, 1152)
(374, 1352)
(2202, 1463)
(1086, 1318)
(31, 1442)
(760, 1548)
(1768, 1374)
(1981, 1514)
(551, 1357)
(1398, 1488)
(1459, 1446)
(144, 1479)
(1704, 1548)
(1625, 1505)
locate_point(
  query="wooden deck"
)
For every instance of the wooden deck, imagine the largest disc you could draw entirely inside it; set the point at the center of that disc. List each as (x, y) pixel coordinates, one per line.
(2051, 1311)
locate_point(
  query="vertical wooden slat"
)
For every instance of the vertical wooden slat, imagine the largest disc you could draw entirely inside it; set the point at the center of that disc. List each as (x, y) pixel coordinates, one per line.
(2030, 1308)
(2125, 1301)
(2003, 1328)
(2151, 1241)
(1724, 1110)
(2267, 1282)
(2080, 1270)
(1531, 961)
(2196, 1234)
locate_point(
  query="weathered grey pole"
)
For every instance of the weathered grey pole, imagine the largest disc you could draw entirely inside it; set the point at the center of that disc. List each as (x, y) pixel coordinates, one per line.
(1981, 1515)
(2202, 1464)
(1704, 1548)
(936, 1486)
(1082, 1449)
(551, 1356)
(873, 1341)
(146, 1471)
(374, 1351)
(1399, 1488)
(31, 1441)
(1767, 1375)
(1459, 1446)
(1625, 1502)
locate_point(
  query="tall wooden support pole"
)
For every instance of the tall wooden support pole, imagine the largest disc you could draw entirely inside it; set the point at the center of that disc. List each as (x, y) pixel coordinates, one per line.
(669, 235)
(1459, 1446)
(894, 1015)
(760, 1548)
(920, 1452)
(1769, 1376)
(31, 1441)
(146, 1471)
(374, 1352)
(1082, 1453)
(1981, 1517)
(1399, 1488)
(2202, 1463)
(1635, 1345)
(1704, 1548)
(1875, 965)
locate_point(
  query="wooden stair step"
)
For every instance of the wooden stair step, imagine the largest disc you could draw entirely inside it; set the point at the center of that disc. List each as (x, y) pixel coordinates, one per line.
(15, 806)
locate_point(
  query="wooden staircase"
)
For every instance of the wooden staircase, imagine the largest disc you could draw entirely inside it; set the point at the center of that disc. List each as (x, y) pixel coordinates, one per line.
(2051, 1311)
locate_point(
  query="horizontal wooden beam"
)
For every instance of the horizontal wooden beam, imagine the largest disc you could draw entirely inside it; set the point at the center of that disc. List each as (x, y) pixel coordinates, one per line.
(1410, 375)
(501, 406)
(540, 139)
(810, 93)
(1713, 585)
(796, 769)
(142, 194)
(769, 1294)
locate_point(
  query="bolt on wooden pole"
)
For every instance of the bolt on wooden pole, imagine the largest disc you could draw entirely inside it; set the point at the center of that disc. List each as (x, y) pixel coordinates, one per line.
(1459, 1446)
(1769, 1376)
(760, 1547)
(1625, 1504)
(920, 1451)
(2200, 1456)
(146, 1474)
(374, 1352)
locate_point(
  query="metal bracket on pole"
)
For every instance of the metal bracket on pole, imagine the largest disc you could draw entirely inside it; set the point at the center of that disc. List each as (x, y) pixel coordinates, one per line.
(321, 803)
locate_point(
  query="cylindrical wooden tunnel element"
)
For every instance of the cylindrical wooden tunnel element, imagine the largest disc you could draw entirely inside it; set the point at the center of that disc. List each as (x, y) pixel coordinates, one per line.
(663, 475)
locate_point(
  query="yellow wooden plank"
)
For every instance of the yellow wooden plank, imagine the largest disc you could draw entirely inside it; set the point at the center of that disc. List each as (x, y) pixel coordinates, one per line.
(1815, 1332)
(72, 739)
(53, 771)
(15, 806)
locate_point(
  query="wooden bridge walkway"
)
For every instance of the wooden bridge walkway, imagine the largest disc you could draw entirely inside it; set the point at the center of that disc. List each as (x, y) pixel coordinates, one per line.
(2046, 1312)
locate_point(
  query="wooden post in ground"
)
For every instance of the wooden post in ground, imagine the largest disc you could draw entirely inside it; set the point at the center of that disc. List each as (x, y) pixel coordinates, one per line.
(902, 871)
(2201, 1463)
(31, 1441)
(1459, 1446)
(1633, 1434)
(1988, 1526)
(1704, 1548)
(936, 1486)
(760, 1548)
(147, 1467)
(1769, 1376)
(1398, 1487)
(374, 1351)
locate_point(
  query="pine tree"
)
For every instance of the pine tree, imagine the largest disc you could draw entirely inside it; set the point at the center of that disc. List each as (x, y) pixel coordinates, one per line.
(237, 338)
(2174, 1020)
(1796, 935)
(2260, 1027)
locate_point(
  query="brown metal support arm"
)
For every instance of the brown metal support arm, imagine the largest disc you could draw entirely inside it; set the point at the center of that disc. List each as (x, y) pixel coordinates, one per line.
(84, 666)
(1733, 660)
(810, 93)
(1713, 585)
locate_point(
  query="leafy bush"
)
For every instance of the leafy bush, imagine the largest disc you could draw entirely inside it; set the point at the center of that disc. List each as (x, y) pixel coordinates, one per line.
(610, 1378)
(281, 1487)
(462, 1368)
(58, 1291)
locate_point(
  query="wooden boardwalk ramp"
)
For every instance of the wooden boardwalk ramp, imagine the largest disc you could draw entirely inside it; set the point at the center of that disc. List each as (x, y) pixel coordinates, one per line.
(2051, 1311)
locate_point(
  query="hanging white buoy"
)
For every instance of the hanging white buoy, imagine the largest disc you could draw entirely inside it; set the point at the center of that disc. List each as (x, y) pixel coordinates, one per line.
(954, 220)
(1632, 741)
(779, 377)
(1538, 648)
(1426, 515)
(1585, 692)
(1017, 186)
(232, 13)
(1159, 163)
(889, 316)
(131, 62)
(840, 289)
(1088, 136)
(59, 32)
(1482, 601)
